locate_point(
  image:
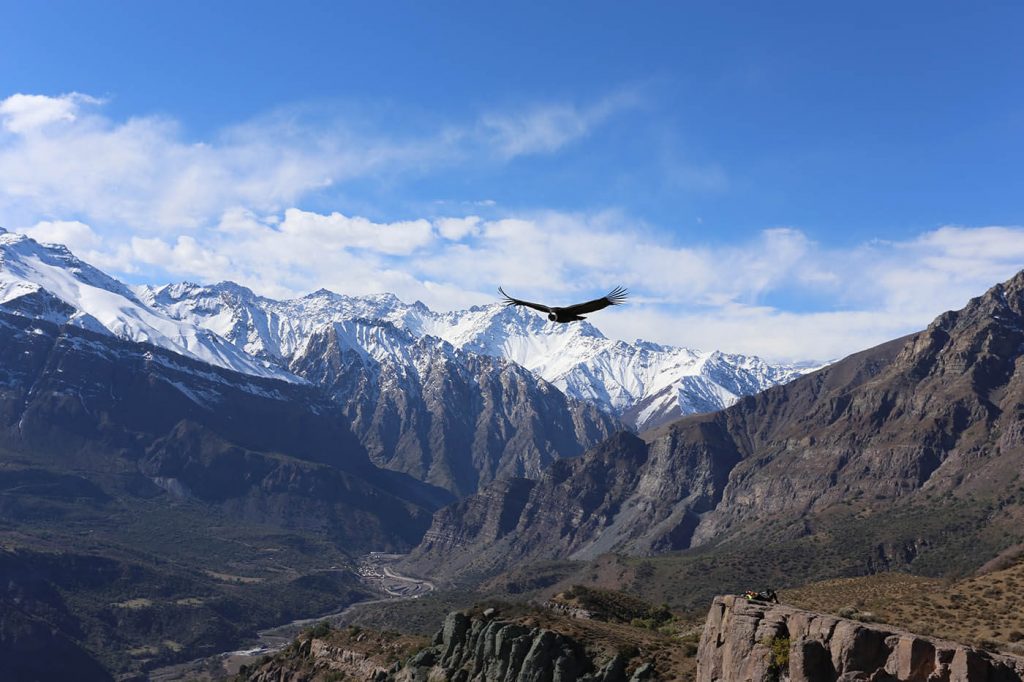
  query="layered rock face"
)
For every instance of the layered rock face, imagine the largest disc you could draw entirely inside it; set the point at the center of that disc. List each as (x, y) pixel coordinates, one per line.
(486, 650)
(481, 649)
(754, 641)
(451, 418)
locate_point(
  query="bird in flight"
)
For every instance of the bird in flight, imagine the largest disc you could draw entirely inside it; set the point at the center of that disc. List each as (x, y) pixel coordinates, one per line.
(616, 296)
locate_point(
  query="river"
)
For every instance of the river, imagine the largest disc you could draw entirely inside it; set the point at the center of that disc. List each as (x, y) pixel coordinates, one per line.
(376, 572)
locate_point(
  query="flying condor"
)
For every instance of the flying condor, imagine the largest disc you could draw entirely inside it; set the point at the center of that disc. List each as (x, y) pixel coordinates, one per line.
(616, 296)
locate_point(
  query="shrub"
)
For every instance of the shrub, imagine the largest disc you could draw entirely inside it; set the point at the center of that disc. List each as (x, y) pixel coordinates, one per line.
(319, 630)
(779, 647)
(629, 651)
(689, 649)
(778, 658)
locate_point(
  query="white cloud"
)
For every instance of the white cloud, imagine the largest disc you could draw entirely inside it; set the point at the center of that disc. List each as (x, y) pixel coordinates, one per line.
(186, 257)
(137, 197)
(74, 234)
(457, 229)
(337, 231)
(700, 296)
(62, 157)
(22, 114)
(142, 173)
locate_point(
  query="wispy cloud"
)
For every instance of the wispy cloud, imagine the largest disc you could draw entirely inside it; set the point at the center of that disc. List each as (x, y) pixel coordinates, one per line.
(22, 114)
(547, 128)
(61, 157)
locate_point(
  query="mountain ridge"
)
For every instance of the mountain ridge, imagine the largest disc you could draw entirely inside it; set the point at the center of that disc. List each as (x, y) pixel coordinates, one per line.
(418, 405)
(455, 399)
(934, 419)
(643, 383)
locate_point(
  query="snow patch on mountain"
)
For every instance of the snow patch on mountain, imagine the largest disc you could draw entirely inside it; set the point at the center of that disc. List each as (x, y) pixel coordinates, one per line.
(47, 281)
(644, 383)
(230, 326)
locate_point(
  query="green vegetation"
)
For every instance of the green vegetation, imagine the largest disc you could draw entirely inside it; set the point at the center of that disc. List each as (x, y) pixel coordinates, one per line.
(318, 631)
(778, 657)
(147, 584)
(779, 647)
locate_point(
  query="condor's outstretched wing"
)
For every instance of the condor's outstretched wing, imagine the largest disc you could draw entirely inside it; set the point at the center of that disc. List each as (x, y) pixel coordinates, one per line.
(616, 296)
(516, 301)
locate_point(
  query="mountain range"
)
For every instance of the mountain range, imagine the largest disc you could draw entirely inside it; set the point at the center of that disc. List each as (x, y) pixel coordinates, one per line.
(183, 465)
(455, 399)
(900, 456)
(643, 383)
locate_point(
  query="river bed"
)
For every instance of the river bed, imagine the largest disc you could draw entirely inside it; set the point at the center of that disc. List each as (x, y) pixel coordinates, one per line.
(375, 570)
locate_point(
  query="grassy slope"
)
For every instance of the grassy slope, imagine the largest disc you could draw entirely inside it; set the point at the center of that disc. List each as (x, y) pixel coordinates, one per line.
(985, 610)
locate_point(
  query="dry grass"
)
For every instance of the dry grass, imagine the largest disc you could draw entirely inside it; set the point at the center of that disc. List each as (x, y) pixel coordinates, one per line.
(985, 610)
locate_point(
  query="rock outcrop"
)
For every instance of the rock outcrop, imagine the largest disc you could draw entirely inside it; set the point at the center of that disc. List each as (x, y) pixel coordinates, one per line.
(483, 648)
(756, 641)
(495, 650)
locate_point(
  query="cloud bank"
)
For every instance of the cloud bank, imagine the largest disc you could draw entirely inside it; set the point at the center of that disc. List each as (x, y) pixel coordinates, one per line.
(137, 198)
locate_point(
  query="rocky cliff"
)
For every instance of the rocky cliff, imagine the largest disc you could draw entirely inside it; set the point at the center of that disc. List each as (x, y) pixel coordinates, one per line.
(482, 648)
(451, 418)
(756, 641)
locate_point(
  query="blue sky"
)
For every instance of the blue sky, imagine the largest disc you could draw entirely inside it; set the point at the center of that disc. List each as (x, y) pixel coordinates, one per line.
(797, 179)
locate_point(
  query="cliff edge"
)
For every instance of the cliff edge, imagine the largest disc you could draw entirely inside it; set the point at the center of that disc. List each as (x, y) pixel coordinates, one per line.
(754, 641)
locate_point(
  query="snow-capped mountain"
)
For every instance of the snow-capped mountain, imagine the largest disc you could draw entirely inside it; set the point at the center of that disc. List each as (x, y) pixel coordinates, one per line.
(47, 281)
(643, 383)
(415, 402)
(456, 399)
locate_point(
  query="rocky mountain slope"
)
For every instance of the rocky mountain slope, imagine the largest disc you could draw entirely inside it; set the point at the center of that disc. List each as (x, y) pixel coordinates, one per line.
(447, 417)
(154, 507)
(136, 419)
(931, 421)
(456, 399)
(756, 641)
(739, 640)
(417, 404)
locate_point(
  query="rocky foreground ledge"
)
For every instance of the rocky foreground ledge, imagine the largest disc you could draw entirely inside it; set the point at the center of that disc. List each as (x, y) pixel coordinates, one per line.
(481, 648)
(751, 641)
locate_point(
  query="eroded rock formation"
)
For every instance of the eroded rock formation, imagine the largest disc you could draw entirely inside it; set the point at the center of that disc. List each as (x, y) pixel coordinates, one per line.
(755, 641)
(483, 648)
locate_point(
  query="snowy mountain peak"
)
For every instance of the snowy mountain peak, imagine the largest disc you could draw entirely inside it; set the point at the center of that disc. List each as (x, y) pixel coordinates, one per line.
(26, 259)
(644, 382)
(229, 325)
(322, 293)
(49, 282)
